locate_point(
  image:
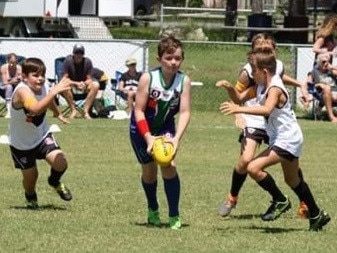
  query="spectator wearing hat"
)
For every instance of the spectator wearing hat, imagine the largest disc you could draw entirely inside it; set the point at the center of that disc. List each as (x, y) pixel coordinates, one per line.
(128, 82)
(79, 69)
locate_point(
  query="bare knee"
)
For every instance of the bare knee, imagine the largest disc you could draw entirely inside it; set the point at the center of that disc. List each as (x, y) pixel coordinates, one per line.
(93, 87)
(57, 160)
(243, 163)
(255, 172)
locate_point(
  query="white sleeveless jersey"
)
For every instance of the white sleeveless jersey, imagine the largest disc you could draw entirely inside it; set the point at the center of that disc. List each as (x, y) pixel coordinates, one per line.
(256, 121)
(27, 131)
(281, 125)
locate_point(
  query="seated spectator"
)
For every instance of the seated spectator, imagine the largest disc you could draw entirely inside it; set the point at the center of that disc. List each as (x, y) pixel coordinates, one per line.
(99, 76)
(128, 82)
(323, 77)
(79, 68)
(10, 77)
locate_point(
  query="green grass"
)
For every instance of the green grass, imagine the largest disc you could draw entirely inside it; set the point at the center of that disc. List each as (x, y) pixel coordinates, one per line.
(108, 211)
(152, 33)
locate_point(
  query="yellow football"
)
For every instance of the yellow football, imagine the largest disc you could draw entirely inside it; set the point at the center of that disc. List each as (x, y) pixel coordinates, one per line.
(162, 151)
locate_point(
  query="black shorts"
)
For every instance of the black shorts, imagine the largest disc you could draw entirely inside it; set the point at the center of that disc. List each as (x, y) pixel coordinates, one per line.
(25, 159)
(256, 134)
(102, 85)
(283, 153)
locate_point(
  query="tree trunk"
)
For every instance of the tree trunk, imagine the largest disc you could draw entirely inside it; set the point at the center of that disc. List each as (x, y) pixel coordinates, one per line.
(231, 12)
(297, 8)
(257, 6)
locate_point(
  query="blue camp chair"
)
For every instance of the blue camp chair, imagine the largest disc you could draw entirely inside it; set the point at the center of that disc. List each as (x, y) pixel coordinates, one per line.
(120, 97)
(79, 98)
(3, 107)
(317, 100)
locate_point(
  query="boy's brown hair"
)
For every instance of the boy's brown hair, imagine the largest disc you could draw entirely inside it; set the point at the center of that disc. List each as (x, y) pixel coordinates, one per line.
(33, 65)
(169, 43)
(264, 58)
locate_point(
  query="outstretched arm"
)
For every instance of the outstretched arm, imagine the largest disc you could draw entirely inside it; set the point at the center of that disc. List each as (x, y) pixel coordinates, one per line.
(273, 99)
(25, 98)
(236, 96)
(293, 82)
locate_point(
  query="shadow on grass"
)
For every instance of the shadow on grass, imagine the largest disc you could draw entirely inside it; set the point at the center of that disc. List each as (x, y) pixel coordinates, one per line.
(162, 225)
(245, 216)
(273, 230)
(40, 208)
(266, 230)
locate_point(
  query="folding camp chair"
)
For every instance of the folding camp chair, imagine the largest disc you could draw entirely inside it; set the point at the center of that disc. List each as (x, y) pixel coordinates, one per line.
(317, 100)
(79, 97)
(3, 59)
(79, 100)
(120, 97)
(3, 108)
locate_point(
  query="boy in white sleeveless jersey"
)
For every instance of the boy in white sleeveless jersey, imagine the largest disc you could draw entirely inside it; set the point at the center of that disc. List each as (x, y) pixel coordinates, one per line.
(285, 138)
(29, 135)
(253, 132)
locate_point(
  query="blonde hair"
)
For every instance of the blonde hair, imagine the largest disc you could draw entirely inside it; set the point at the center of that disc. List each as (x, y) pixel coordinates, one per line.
(263, 40)
(328, 26)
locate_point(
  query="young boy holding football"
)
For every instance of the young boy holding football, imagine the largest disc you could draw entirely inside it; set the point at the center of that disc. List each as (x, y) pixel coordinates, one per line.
(162, 93)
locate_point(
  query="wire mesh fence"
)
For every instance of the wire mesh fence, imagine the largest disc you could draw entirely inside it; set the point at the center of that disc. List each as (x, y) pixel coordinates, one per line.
(208, 62)
(205, 62)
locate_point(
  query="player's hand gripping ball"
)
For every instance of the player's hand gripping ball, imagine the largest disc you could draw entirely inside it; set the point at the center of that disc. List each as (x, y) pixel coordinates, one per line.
(162, 151)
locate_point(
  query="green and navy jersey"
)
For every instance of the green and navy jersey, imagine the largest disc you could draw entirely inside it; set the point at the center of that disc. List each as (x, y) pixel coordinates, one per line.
(164, 100)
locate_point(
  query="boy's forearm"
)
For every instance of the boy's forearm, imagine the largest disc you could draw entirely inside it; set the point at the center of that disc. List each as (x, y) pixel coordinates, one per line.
(183, 122)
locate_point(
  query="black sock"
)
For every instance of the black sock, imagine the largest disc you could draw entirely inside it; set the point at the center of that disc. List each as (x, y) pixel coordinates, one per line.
(30, 197)
(269, 185)
(304, 194)
(237, 182)
(151, 195)
(300, 174)
(55, 176)
(172, 190)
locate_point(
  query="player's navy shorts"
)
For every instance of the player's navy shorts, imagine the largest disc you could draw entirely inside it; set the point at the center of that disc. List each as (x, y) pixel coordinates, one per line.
(25, 159)
(257, 134)
(139, 145)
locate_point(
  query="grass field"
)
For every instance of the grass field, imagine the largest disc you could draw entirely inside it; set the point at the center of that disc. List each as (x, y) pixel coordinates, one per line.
(108, 211)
